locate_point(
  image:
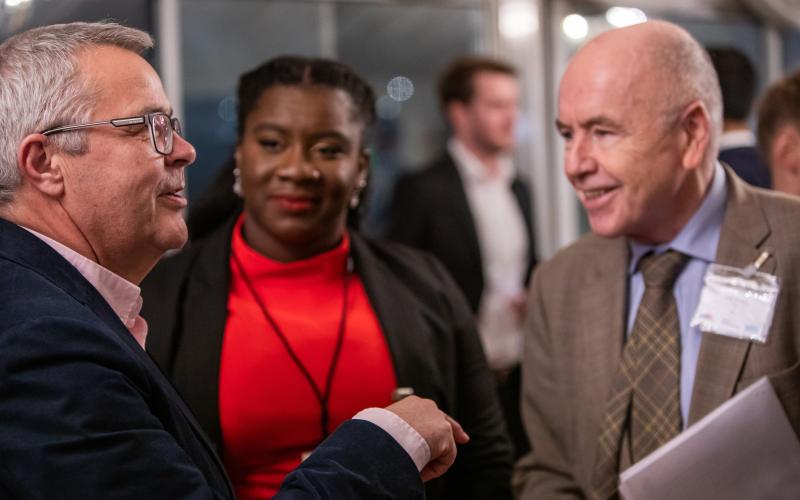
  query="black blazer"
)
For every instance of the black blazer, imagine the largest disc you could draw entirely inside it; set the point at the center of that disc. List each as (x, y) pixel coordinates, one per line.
(430, 211)
(85, 413)
(428, 326)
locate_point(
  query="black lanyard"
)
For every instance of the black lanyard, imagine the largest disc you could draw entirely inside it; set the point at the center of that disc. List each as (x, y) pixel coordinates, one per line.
(322, 396)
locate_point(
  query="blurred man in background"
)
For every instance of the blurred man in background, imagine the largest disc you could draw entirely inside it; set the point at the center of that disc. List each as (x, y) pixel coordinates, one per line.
(779, 133)
(471, 210)
(737, 146)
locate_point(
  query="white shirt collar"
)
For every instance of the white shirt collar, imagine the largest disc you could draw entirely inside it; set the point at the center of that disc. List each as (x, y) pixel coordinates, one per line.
(472, 169)
(737, 139)
(123, 296)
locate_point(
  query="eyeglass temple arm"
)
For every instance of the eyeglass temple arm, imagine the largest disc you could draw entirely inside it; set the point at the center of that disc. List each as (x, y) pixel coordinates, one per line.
(119, 122)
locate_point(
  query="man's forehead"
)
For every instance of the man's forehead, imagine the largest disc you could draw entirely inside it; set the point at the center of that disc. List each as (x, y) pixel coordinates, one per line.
(490, 82)
(124, 79)
(592, 84)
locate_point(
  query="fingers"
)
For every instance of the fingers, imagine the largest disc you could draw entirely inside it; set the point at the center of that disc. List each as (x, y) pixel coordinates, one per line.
(442, 461)
(459, 434)
(439, 430)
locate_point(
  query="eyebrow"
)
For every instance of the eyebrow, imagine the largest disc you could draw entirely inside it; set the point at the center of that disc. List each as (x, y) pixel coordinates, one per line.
(282, 130)
(146, 110)
(269, 127)
(591, 122)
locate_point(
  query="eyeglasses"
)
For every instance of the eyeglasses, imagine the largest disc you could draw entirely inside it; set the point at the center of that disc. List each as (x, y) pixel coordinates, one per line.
(161, 127)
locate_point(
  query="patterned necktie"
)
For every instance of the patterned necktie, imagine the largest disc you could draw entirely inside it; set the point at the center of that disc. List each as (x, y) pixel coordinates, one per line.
(645, 395)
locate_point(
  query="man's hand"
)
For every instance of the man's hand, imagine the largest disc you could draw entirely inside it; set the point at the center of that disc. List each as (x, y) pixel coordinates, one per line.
(439, 430)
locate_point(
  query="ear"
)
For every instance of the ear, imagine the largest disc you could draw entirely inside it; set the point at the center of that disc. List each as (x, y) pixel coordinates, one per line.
(456, 113)
(39, 167)
(785, 151)
(364, 158)
(695, 126)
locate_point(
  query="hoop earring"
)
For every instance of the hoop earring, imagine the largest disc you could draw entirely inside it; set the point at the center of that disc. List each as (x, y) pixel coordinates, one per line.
(237, 182)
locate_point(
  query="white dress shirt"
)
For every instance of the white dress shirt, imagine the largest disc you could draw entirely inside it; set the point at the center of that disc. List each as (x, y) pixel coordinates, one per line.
(736, 139)
(501, 232)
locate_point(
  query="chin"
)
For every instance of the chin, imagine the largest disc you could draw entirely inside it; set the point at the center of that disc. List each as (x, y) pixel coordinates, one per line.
(173, 238)
(606, 228)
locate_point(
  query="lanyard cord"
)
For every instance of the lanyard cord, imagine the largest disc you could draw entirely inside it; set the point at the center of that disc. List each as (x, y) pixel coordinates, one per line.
(322, 397)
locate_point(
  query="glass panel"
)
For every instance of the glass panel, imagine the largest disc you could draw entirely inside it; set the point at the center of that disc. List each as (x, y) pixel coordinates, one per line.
(214, 55)
(21, 15)
(415, 43)
(791, 51)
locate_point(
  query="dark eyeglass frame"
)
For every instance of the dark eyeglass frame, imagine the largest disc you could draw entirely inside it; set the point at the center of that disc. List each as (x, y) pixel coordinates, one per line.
(174, 127)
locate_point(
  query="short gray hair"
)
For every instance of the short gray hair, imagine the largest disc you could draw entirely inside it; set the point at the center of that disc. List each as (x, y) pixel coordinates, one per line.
(686, 65)
(41, 87)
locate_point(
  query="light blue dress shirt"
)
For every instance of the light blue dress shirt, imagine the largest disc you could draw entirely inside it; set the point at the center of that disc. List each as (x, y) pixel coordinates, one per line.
(698, 239)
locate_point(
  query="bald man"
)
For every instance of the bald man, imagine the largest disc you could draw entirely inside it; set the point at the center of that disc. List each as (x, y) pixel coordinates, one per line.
(779, 133)
(640, 113)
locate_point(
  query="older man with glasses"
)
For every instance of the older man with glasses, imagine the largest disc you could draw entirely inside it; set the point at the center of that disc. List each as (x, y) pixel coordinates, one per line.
(88, 204)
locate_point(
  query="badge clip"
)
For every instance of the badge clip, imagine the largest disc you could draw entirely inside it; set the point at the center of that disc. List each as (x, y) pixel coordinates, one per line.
(751, 269)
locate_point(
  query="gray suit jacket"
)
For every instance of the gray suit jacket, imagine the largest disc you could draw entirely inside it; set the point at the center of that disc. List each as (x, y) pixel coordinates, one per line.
(576, 333)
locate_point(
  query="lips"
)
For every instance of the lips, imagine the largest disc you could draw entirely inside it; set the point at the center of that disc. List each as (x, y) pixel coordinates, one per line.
(174, 195)
(597, 197)
(295, 203)
(591, 194)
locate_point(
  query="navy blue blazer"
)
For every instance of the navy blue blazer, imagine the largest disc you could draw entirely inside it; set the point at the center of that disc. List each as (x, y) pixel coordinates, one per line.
(85, 412)
(746, 161)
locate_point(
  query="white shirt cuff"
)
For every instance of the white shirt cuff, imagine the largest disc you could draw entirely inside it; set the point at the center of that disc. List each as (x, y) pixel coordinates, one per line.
(405, 435)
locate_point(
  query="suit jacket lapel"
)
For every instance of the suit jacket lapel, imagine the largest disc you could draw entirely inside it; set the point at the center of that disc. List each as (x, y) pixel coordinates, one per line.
(721, 358)
(403, 325)
(32, 252)
(204, 312)
(48, 262)
(203, 322)
(600, 331)
(521, 195)
(453, 190)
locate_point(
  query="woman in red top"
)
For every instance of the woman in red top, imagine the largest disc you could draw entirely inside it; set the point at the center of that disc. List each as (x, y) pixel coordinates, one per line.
(284, 323)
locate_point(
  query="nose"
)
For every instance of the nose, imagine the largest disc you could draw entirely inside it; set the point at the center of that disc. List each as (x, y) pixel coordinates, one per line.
(183, 153)
(297, 166)
(578, 159)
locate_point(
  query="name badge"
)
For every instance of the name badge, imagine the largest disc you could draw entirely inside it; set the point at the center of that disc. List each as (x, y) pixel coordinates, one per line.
(736, 302)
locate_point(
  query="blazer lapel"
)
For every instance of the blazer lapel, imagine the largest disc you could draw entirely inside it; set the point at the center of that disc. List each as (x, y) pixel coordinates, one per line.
(600, 330)
(204, 312)
(452, 187)
(48, 262)
(520, 191)
(721, 358)
(403, 325)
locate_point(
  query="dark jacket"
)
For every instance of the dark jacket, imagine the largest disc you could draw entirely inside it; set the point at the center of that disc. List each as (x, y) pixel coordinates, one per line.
(428, 327)
(430, 211)
(746, 161)
(85, 413)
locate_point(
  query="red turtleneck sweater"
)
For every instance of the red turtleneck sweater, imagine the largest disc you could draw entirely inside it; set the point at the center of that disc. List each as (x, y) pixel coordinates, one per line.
(268, 411)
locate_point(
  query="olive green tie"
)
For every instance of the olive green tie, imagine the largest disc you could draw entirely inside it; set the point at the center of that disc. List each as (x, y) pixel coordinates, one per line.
(645, 395)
